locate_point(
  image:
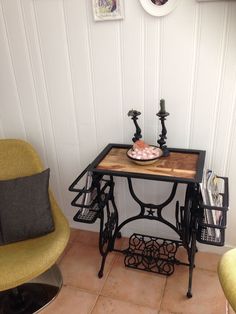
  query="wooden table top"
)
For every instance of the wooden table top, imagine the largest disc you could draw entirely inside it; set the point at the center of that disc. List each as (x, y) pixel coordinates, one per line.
(181, 165)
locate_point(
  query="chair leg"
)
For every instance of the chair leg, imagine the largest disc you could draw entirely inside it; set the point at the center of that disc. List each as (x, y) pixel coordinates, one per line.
(17, 300)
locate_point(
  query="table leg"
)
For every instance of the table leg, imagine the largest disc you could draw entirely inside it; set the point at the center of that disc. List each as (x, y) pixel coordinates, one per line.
(192, 252)
(108, 226)
(191, 207)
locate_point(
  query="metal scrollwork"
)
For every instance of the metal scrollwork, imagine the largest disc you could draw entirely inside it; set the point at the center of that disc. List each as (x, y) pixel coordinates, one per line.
(108, 230)
(151, 254)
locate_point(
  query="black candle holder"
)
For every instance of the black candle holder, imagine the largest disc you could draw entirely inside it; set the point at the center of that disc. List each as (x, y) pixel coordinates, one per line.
(134, 114)
(162, 114)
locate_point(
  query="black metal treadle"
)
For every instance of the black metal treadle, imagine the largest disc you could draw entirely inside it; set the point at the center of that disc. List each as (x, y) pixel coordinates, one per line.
(152, 254)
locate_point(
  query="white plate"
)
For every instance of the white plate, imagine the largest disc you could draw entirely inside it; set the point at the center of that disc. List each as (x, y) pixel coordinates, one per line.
(143, 162)
(159, 10)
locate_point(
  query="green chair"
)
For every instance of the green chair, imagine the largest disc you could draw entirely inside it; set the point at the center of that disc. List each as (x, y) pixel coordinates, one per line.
(21, 263)
(227, 276)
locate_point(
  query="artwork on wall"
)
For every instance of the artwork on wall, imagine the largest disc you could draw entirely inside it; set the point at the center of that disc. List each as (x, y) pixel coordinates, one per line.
(159, 7)
(108, 10)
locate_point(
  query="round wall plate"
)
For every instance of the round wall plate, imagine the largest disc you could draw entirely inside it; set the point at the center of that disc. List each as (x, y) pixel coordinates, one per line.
(159, 7)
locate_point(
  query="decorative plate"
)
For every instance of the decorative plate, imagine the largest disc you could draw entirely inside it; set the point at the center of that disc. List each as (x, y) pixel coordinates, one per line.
(144, 162)
(159, 7)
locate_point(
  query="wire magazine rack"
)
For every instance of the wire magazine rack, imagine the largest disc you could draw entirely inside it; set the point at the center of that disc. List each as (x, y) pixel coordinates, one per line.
(212, 220)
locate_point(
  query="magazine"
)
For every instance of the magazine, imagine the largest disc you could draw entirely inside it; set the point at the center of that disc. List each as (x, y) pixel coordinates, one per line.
(212, 197)
(88, 197)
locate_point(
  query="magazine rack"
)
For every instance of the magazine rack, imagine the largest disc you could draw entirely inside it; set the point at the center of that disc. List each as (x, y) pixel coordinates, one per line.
(213, 233)
(103, 191)
(145, 252)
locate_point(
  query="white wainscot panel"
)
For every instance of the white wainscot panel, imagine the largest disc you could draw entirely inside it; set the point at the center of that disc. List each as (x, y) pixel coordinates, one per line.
(23, 72)
(41, 91)
(229, 117)
(11, 116)
(107, 81)
(57, 68)
(207, 76)
(132, 60)
(227, 93)
(82, 82)
(178, 65)
(152, 54)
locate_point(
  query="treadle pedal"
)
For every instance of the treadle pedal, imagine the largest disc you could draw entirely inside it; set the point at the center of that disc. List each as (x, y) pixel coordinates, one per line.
(152, 254)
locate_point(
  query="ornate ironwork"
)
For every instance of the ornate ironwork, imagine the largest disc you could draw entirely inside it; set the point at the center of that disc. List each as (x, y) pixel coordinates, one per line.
(108, 230)
(108, 227)
(152, 254)
(151, 211)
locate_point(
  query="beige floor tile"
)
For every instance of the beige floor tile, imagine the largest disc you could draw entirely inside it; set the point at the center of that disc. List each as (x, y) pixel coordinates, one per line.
(107, 305)
(90, 238)
(80, 267)
(207, 261)
(207, 297)
(165, 312)
(72, 301)
(203, 260)
(74, 233)
(87, 237)
(131, 291)
(231, 311)
(65, 250)
(119, 243)
(182, 255)
(135, 286)
(125, 243)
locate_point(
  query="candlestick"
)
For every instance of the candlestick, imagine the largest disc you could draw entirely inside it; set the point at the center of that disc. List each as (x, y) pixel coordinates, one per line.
(162, 114)
(162, 105)
(134, 114)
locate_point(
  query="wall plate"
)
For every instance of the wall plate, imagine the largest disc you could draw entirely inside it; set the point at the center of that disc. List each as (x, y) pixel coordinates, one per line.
(213, 0)
(159, 9)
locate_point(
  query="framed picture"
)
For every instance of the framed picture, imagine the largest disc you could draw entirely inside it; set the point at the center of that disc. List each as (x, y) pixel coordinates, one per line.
(159, 7)
(108, 10)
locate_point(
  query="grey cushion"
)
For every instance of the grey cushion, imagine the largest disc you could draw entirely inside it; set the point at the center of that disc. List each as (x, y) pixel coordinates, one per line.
(25, 210)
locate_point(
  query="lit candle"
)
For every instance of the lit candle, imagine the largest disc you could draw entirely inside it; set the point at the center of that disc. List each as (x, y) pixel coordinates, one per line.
(162, 104)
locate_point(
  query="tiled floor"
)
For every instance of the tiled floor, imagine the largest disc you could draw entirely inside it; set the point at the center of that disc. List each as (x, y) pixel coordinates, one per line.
(123, 290)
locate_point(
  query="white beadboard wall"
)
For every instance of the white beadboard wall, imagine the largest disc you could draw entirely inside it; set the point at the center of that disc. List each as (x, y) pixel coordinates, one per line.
(67, 83)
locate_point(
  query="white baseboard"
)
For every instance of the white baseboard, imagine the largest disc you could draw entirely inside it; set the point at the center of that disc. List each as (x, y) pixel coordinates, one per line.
(214, 249)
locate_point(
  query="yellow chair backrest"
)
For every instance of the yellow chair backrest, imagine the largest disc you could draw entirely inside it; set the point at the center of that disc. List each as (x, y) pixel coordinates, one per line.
(18, 159)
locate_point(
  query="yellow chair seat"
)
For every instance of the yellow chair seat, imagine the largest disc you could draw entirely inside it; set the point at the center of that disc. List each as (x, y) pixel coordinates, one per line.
(25, 260)
(227, 276)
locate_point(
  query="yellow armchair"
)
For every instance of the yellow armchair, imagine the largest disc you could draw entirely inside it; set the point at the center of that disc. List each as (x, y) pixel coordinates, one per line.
(23, 261)
(227, 276)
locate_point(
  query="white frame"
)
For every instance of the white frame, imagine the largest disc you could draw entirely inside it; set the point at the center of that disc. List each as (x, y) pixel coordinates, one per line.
(159, 10)
(118, 14)
(212, 0)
